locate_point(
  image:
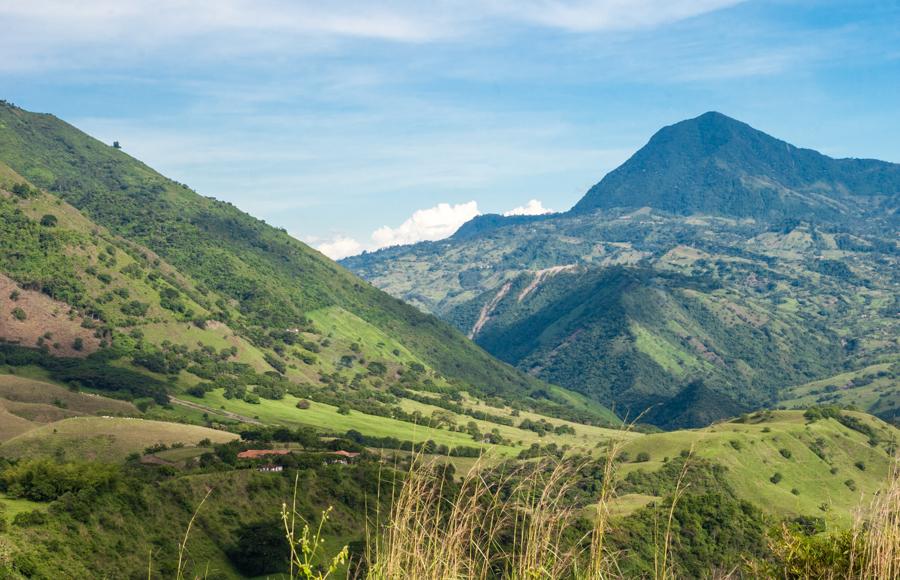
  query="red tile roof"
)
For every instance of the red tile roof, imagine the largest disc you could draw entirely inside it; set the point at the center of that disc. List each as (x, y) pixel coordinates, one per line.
(345, 453)
(256, 453)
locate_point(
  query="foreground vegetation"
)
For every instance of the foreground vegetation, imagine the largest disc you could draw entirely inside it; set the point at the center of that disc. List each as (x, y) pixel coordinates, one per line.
(686, 504)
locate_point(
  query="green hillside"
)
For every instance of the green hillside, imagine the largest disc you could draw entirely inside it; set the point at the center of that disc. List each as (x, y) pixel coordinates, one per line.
(106, 439)
(815, 460)
(160, 287)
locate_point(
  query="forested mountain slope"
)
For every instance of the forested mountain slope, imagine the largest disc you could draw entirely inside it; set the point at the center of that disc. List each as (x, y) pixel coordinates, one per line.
(168, 280)
(716, 253)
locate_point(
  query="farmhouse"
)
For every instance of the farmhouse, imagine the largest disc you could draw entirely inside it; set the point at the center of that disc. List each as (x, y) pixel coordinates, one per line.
(342, 457)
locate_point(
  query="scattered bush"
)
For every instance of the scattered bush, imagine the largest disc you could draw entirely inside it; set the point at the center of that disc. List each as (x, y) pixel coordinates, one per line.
(134, 308)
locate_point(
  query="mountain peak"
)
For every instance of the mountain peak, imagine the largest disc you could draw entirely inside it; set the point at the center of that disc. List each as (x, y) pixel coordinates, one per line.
(715, 164)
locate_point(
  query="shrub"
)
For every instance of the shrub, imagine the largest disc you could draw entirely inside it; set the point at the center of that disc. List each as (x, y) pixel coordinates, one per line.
(49, 220)
(22, 190)
(344, 410)
(78, 343)
(261, 549)
(776, 478)
(134, 308)
(303, 404)
(32, 518)
(19, 314)
(45, 480)
(860, 465)
(850, 484)
(786, 453)
(642, 457)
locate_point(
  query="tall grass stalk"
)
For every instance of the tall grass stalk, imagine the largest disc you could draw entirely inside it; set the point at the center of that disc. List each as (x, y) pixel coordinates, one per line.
(541, 511)
(881, 537)
(431, 534)
(305, 546)
(603, 563)
(182, 547)
(663, 568)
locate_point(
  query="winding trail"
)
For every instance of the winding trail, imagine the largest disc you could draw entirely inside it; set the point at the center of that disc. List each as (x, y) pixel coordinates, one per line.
(222, 412)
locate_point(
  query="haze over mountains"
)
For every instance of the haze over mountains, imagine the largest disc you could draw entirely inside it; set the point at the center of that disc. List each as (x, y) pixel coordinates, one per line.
(715, 253)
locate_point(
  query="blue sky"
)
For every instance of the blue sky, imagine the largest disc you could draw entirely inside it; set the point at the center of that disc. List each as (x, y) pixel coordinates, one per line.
(358, 124)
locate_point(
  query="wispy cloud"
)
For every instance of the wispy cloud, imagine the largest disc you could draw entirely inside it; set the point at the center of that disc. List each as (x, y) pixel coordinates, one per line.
(594, 15)
(60, 33)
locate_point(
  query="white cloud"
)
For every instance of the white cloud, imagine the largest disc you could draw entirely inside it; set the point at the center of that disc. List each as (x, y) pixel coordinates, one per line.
(340, 247)
(434, 223)
(533, 207)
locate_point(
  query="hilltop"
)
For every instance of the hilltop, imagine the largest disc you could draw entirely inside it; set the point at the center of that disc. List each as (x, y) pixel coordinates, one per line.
(716, 165)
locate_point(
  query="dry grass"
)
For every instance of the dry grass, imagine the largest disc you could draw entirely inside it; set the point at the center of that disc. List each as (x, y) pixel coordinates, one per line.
(869, 550)
(500, 525)
(43, 315)
(511, 525)
(881, 537)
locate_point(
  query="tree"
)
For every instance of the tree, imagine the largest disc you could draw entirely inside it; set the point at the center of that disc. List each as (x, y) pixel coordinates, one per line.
(261, 549)
(116, 145)
(49, 220)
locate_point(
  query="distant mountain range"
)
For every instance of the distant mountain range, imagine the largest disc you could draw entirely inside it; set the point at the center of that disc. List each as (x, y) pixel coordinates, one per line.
(716, 253)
